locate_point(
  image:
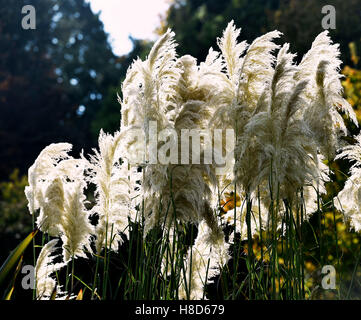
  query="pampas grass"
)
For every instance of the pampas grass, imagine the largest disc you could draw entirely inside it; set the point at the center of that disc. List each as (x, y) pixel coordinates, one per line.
(165, 224)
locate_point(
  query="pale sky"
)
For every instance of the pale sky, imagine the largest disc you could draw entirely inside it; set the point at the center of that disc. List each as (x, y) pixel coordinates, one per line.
(122, 18)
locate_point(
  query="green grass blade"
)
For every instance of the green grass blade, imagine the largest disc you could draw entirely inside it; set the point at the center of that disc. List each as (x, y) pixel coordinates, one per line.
(12, 286)
(15, 256)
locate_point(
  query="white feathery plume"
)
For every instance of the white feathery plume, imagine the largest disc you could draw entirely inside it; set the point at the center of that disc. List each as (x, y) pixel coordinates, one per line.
(191, 184)
(114, 191)
(225, 79)
(148, 95)
(193, 114)
(43, 168)
(45, 267)
(322, 115)
(52, 208)
(76, 227)
(204, 261)
(56, 185)
(237, 90)
(352, 153)
(257, 68)
(321, 49)
(170, 95)
(149, 86)
(47, 176)
(276, 148)
(236, 83)
(348, 199)
(232, 52)
(189, 188)
(321, 66)
(212, 67)
(224, 72)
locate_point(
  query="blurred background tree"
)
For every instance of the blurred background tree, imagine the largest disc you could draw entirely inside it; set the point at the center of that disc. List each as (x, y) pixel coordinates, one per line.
(15, 222)
(198, 23)
(298, 20)
(33, 106)
(55, 81)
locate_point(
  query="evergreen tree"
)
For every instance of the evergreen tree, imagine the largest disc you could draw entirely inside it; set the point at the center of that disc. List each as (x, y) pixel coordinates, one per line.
(52, 79)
